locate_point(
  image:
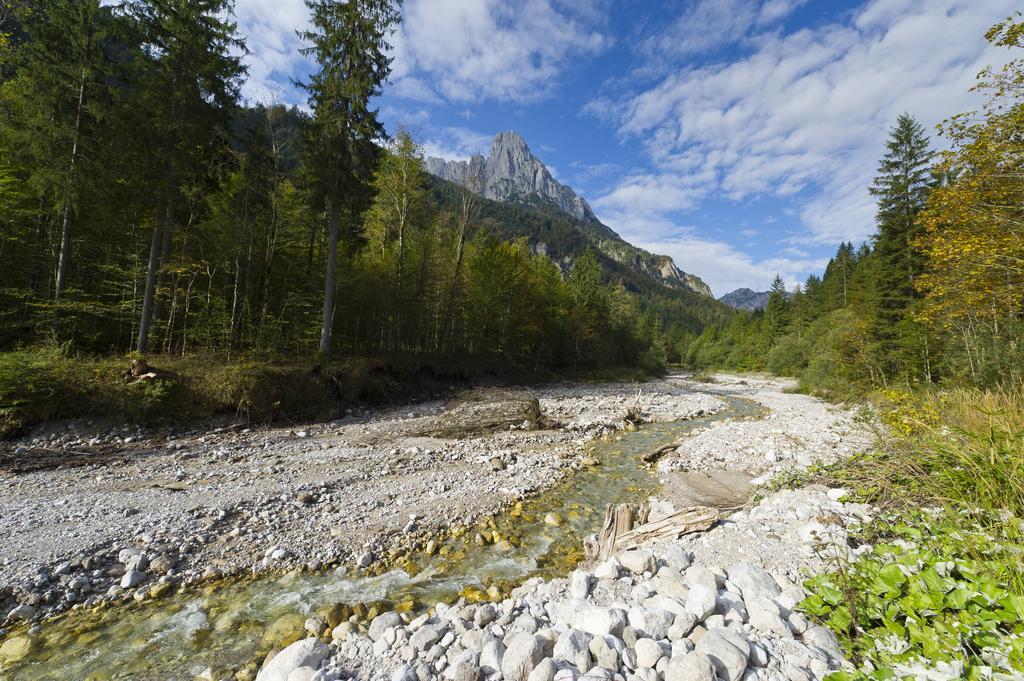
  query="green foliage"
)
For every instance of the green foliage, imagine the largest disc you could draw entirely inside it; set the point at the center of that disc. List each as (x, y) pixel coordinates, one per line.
(935, 588)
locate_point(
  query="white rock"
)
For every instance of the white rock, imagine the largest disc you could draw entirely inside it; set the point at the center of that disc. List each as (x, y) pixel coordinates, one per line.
(22, 612)
(545, 671)
(701, 601)
(571, 643)
(381, 623)
(651, 623)
(638, 561)
(490, 656)
(579, 584)
(610, 569)
(728, 652)
(404, 673)
(765, 616)
(600, 621)
(427, 635)
(648, 652)
(693, 666)
(752, 580)
(524, 652)
(308, 652)
(132, 579)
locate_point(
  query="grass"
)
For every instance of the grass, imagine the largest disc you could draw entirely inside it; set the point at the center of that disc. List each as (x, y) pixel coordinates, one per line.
(942, 583)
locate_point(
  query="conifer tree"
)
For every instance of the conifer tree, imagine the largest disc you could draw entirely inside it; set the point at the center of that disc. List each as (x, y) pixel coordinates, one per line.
(775, 312)
(901, 187)
(190, 86)
(349, 41)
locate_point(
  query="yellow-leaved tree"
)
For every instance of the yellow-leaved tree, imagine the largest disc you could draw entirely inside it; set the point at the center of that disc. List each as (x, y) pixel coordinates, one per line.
(973, 224)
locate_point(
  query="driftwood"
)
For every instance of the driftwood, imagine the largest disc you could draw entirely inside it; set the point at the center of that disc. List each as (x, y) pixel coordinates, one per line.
(626, 527)
(651, 457)
(487, 411)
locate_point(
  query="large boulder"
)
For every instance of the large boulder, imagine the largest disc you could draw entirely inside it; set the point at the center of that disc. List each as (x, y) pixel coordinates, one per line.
(693, 666)
(728, 652)
(600, 621)
(486, 411)
(752, 580)
(308, 652)
(382, 623)
(524, 652)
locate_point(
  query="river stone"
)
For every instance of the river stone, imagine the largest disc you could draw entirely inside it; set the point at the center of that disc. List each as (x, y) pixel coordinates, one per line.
(15, 648)
(606, 654)
(610, 569)
(545, 671)
(600, 621)
(728, 652)
(404, 673)
(701, 601)
(463, 670)
(571, 643)
(695, 666)
(524, 652)
(698, 574)
(381, 623)
(579, 584)
(752, 580)
(681, 626)
(132, 579)
(427, 635)
(22, 612)
(669, 582)
(651, 623)
(484, 615)
(305, 653)
(764, 616)
(490, 656)
(648, 652)
(162, 564)
(824, 640)
(638, 561)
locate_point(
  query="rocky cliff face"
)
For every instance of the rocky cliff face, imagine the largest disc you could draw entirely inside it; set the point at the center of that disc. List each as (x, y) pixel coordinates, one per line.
(745, 299)
(512, 174)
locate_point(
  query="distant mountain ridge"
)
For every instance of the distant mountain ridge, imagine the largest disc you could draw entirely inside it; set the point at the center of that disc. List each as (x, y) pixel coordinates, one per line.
(512, 174)
(746, 299)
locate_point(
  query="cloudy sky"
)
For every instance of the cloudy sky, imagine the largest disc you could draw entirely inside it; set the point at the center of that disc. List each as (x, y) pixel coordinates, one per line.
(737, 136)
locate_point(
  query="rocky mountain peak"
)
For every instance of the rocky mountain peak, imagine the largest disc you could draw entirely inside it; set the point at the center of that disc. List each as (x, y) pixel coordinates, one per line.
(511, 173)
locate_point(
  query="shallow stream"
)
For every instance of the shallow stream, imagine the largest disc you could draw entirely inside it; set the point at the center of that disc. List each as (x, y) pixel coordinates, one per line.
(225, 625)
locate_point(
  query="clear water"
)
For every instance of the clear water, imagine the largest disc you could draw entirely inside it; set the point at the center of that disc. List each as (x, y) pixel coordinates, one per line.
(225, 625)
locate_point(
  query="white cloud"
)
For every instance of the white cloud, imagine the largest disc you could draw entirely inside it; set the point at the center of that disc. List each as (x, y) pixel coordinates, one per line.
(269, 27)
(457, 144)
(801, 115)
(491, 49)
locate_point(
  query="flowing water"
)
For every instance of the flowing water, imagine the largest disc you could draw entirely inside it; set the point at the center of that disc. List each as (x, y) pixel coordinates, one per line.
(227, 624)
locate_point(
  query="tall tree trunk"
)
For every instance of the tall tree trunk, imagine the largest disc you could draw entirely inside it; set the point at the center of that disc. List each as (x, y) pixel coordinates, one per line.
(65, 232)
(147, 297)
(332, 254)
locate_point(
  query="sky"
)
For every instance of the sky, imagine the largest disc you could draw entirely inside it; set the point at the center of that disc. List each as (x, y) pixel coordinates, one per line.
(737, 136)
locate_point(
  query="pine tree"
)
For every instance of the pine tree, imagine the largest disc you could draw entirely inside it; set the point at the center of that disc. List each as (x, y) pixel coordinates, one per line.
(189, 88)
(349, 41)
(776, 311)
(64, 67)
(901, 187)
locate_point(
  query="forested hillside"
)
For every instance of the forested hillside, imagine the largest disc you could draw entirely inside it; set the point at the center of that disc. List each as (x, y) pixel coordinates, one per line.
(146, 208)
(937, 294)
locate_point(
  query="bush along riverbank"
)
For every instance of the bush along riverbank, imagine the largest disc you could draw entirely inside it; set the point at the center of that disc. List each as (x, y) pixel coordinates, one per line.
(936, 592)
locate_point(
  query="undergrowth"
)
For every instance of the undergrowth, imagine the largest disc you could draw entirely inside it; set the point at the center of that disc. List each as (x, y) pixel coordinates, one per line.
(939, 592)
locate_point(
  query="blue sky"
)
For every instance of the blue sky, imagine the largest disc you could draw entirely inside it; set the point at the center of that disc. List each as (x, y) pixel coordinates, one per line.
(738, 137)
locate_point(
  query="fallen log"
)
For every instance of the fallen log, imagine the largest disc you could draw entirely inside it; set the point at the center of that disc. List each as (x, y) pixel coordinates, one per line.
(626, 527)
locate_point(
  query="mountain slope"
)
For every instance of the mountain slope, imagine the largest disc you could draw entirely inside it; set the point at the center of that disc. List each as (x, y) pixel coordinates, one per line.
(511, 174)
